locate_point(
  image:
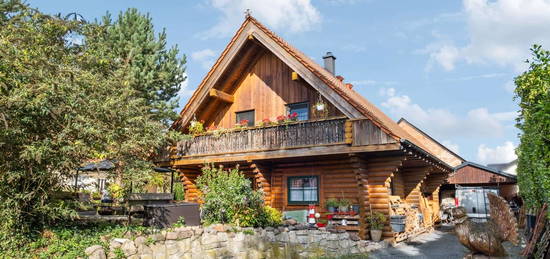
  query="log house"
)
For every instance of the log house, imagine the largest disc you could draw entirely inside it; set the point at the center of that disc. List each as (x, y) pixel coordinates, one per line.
(348, 149)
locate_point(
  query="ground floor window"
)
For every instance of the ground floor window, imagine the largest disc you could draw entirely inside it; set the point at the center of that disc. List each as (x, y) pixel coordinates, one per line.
(303, 189)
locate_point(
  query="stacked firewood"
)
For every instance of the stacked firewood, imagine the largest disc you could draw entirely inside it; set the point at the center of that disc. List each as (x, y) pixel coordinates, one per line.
(399, 207)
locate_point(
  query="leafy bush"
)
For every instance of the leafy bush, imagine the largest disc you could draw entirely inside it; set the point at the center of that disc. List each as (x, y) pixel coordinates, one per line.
(533, 92)
(67, 240)
(227, 197)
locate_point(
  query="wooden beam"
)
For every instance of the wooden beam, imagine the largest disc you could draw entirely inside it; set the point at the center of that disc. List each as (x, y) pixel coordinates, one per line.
(223, 96)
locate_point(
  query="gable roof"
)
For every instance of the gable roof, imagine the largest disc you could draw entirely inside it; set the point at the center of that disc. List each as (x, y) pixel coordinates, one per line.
(403, 121)
(486, 168)
(335, 90)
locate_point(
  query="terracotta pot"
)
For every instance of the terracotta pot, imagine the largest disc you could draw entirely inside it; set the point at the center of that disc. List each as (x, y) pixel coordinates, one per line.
(375, 234)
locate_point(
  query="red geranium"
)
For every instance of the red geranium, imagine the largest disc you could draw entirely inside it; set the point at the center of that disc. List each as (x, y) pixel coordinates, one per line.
(281, 118)
(293, 116)
(243, 122)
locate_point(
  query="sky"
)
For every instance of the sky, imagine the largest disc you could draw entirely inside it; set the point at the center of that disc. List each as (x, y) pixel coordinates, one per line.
(448, 67)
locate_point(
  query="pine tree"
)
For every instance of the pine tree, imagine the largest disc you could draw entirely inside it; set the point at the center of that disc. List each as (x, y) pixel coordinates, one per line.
(154, 71)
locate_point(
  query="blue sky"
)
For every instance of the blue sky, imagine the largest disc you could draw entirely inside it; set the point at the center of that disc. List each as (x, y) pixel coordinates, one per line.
(446, 66)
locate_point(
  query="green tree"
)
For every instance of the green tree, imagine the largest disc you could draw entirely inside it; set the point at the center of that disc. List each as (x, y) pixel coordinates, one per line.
(62, 104)
(154, 71)
(533, 92)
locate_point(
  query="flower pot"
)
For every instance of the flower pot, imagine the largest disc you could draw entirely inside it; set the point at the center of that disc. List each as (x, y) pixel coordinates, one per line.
(343, 208)
(355, 208)
(331, 209)
(375, 234)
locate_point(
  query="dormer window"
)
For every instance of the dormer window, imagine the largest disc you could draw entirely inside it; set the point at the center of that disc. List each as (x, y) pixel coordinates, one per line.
(245, 116)
(302, 109)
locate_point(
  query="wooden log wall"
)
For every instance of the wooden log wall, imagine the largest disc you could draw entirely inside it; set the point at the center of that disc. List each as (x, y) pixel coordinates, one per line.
(360, 169)
(336, 180)
(379, 173)
(398, 184)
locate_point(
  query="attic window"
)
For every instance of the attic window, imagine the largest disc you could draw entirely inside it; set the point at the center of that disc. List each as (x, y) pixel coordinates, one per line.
(302, 109)
(245, 115)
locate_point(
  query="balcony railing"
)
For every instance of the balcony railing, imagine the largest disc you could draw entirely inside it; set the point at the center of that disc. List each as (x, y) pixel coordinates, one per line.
(298, 134)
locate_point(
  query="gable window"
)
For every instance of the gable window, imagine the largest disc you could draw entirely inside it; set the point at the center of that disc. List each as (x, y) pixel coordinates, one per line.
(246, 116)
(303, 189)
(302, 109)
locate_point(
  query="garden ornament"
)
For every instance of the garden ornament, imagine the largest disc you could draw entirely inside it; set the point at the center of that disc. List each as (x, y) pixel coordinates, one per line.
(487, 237)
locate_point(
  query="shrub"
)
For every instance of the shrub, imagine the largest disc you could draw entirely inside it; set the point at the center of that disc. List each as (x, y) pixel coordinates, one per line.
(68, 240)
(273, 217)
(227, 197)
(179, 193)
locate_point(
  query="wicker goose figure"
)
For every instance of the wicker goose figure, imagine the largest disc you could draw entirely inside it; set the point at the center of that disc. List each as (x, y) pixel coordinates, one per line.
(487, 237)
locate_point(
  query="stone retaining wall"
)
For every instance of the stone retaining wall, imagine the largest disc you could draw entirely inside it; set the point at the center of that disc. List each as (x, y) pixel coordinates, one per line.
(221, 241)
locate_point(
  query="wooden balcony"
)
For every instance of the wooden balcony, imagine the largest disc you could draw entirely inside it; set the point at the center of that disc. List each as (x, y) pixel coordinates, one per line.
(257, 139)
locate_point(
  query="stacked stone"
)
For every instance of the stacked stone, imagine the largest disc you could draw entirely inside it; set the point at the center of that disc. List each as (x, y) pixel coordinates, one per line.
(221, 241)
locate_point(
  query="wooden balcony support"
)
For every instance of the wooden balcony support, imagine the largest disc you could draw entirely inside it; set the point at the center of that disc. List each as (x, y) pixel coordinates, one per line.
(262, 180)
(188, 177)
(414, 178)
(379, 173)
(434, 181)
(222, 96)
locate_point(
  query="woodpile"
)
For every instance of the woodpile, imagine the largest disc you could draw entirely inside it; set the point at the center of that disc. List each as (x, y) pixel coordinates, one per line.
(399, 207)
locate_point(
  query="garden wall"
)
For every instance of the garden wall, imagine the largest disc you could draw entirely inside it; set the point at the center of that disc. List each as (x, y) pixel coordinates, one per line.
(220, 241)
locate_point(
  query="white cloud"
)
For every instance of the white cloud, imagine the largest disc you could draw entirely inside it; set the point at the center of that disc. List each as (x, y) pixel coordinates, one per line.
(443, 123)
(450, 145)
(184, 91)
(446, 56)
(293, 15)
(499, 32)
(205, 57)
(498, 154)
(510, 86)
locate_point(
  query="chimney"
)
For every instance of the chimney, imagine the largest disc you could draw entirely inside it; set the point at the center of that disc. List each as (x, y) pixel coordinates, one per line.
(330, 62)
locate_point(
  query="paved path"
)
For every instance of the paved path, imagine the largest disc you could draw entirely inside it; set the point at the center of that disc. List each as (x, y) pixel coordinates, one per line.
(439, 244)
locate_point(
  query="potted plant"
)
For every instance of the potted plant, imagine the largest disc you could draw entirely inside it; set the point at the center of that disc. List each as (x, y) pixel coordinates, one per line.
(196, 127)
(281, 119)
(242, 124)
(343, 205)
(291, 117)
(331, 204)
(376, 222)
(265, 122)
